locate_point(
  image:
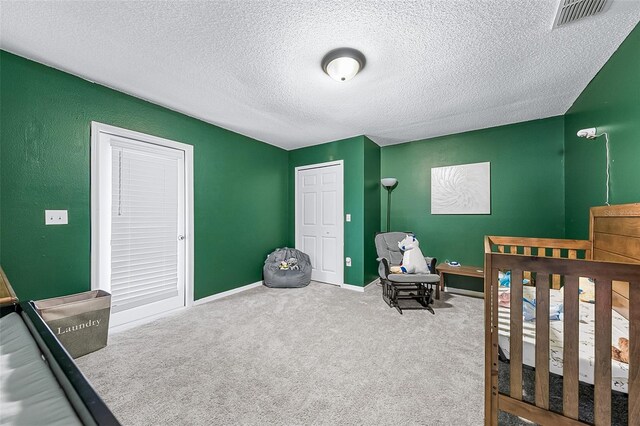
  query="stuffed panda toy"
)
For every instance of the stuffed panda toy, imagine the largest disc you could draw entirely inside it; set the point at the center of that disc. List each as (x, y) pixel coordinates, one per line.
(413, 262)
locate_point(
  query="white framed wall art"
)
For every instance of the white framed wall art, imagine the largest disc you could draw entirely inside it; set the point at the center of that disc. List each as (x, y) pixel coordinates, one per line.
(462, 189)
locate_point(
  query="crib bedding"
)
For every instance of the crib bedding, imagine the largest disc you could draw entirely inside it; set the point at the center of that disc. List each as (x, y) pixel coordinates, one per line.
(620, 328)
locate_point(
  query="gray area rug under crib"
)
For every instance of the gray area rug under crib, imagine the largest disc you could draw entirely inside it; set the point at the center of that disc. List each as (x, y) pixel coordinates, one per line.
(619, 401)
(312, 356)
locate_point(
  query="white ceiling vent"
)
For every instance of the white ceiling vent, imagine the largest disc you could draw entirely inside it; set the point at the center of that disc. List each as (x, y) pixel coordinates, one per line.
(572, 10)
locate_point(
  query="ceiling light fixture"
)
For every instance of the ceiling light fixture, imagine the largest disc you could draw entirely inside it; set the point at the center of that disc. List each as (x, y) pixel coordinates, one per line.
(343, 64)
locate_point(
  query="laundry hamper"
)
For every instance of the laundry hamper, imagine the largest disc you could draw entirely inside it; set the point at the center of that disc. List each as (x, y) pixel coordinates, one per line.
(80, 321)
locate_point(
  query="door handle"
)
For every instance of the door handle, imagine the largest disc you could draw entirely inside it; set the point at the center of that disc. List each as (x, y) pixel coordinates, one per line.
(181, 237)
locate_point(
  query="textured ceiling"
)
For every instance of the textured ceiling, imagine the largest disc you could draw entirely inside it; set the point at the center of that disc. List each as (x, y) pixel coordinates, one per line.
(433, 67)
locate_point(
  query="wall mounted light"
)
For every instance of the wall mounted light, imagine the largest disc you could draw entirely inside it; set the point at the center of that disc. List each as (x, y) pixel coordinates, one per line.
(589, 133)
(592, 133)
(389, 184)
(343, 64)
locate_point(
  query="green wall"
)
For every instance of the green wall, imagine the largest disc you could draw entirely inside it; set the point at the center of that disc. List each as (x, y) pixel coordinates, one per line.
(543, 178)
(371, 208)
(240, 186)
(527, 187)
(611, 102)
(358, 193)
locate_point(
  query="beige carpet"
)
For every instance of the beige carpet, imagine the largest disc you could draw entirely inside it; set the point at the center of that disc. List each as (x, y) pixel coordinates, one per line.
(320, 355)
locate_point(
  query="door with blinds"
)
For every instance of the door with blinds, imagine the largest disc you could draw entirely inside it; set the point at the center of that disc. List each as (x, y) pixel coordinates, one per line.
(144, 265)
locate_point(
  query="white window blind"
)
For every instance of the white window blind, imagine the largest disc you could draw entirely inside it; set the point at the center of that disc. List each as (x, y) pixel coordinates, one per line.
(144, 226)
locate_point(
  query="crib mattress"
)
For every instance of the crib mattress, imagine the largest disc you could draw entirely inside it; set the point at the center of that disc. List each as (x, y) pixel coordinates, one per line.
(29, 393)
(620, 328)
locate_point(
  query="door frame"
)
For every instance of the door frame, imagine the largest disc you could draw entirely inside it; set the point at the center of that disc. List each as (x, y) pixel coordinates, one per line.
(339, 163)
(100, 242)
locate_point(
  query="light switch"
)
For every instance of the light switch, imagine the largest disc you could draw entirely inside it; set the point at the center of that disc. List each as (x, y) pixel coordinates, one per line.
(55, 217)
(348, 259)
(348, 218)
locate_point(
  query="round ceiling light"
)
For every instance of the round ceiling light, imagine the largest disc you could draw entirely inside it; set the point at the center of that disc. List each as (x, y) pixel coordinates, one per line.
(343, 64)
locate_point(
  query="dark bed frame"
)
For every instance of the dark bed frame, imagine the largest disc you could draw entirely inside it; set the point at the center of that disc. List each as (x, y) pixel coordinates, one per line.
(89, 407)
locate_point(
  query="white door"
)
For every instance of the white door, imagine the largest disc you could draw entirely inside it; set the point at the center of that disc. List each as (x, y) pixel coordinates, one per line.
(319, 212)
(141, 192)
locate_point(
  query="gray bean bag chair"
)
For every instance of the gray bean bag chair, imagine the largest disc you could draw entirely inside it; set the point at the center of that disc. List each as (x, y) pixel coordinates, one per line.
(287, 278)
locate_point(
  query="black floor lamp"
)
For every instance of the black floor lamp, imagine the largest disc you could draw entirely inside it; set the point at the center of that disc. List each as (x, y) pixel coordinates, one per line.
(389, 184)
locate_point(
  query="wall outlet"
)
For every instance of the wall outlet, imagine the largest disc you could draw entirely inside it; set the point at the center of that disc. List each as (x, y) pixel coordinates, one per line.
(348, 261)
(55, 217)
(348, 217)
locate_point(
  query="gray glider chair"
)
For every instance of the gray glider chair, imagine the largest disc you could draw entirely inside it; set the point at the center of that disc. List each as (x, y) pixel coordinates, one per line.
(404, 291)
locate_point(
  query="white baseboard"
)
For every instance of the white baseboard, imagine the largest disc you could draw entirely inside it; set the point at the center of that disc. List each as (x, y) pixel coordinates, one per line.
(464, 292)
(353, 287)
(227, 293)
(374, 282)
(146, 320)
(357, 287)
(142, 321)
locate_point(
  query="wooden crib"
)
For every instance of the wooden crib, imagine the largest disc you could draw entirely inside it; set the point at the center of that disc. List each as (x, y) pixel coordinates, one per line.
(553, 263)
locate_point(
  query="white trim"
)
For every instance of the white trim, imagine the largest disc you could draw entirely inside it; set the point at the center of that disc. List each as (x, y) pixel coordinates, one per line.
(339, 163)
(146, 320)
(464, 292)
(100, 128)
(353, 287)
(226, 293)
(372, 283)
(320, 165)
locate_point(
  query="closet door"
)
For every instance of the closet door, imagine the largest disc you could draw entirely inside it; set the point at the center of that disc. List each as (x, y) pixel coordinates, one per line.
(319, 211)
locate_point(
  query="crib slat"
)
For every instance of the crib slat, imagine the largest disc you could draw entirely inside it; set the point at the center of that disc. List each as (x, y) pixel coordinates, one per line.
(542, 340)
(634, 352)
(513, 249)
(571, 339)
(515, 335)
(555, 280)
(527, 274)
(573, 254)
(542, 252)
(500, 249)
(490, 418)
(494, 347)
(602, 368)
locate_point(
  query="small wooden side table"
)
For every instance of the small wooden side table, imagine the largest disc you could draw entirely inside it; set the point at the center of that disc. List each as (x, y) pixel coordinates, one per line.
(465, 270)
